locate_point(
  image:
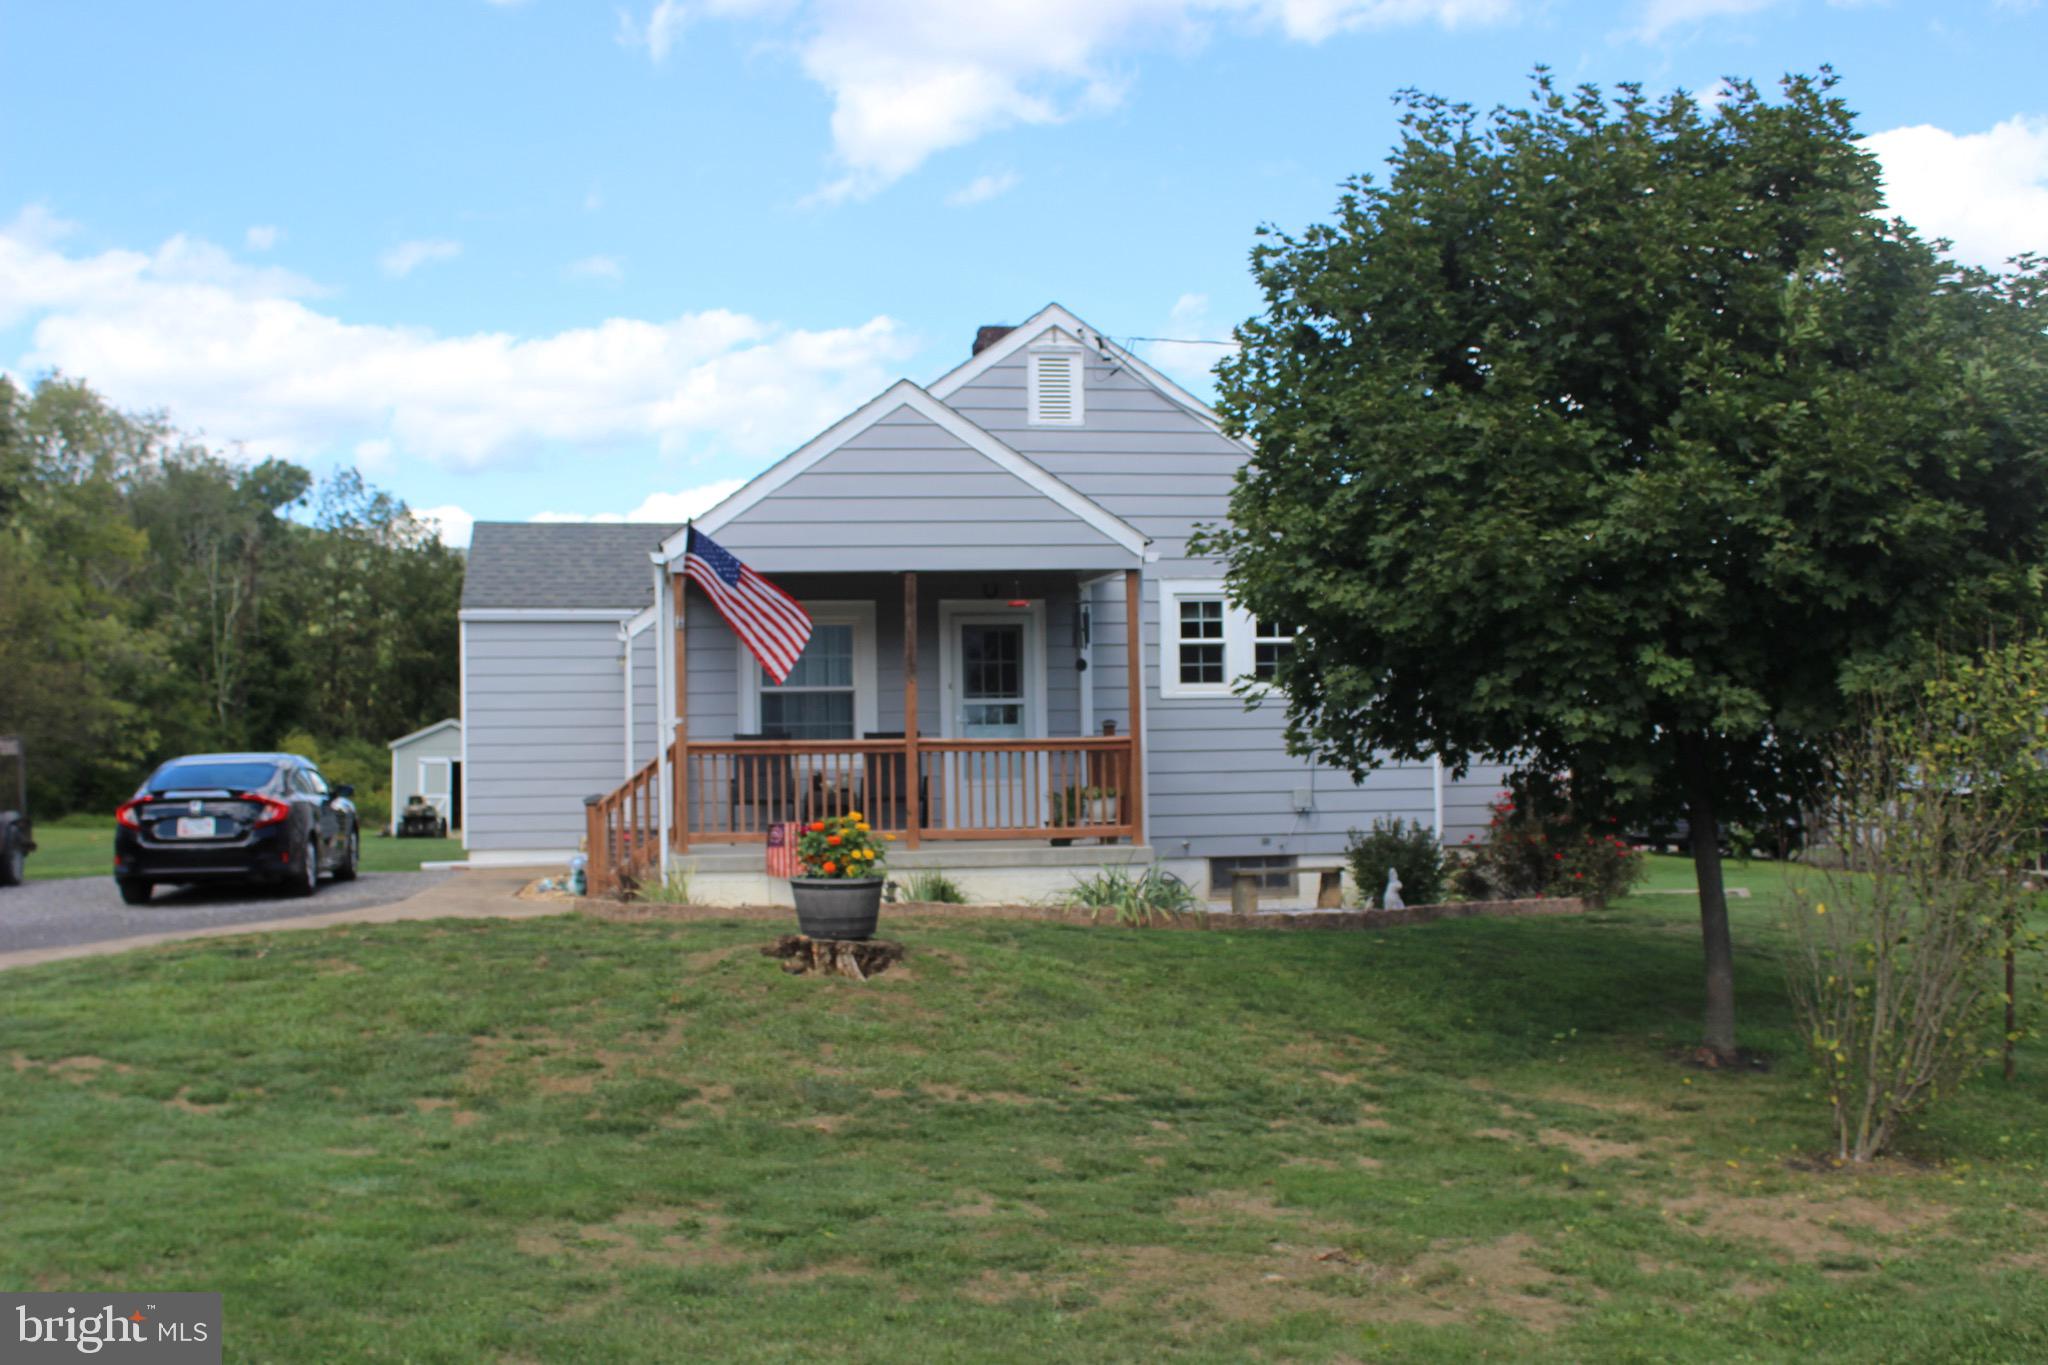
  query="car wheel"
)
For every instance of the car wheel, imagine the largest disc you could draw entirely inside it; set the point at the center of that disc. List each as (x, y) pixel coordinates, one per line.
(346, 871)
(13, 862)
(134, 892)
(308, 880)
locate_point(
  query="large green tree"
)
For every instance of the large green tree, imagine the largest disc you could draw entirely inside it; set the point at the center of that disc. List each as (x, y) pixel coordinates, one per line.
(1627, 437)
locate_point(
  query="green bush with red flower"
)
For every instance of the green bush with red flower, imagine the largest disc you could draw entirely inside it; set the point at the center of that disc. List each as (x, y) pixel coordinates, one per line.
(1540, 844)
(843, 846)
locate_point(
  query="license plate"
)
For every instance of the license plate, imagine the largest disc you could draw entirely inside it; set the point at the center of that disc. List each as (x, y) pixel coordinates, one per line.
(195, 827)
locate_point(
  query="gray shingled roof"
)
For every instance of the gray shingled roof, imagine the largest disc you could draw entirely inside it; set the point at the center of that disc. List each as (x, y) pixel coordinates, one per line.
(561, 564)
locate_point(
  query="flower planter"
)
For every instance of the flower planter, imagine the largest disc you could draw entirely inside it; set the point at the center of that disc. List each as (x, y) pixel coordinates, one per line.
(837, 907)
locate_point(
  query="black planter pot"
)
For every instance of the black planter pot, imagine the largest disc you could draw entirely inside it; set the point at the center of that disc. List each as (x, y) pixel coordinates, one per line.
(837, 907)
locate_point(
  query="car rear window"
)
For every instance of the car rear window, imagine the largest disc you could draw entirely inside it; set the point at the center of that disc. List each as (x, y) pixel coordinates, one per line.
(236, 777)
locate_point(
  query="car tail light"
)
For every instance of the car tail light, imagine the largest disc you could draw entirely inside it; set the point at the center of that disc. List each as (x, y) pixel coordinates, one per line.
(274, 812)
(124, 814)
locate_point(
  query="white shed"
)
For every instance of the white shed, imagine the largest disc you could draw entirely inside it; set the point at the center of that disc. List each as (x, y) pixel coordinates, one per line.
(429, 762)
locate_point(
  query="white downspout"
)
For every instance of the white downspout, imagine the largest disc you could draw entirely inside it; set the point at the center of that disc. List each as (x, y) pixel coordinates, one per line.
(664, 705)
(626, 673)
(1436, 792)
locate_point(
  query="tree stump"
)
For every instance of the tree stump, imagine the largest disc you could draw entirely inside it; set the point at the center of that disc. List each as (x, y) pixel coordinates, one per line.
(856, 958)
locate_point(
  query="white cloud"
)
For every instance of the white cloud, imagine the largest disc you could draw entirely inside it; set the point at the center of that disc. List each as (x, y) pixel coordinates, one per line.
(662, 507)
(406, 257)
(1661, 16)
(596, 268)
(983, 188)
(239, 353)
(909, 78)
(1986, 191)
(450, 522)
(263, 237)
(1192, 353)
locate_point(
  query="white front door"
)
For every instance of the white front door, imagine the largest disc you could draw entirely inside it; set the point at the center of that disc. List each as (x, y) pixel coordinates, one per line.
(994, 690)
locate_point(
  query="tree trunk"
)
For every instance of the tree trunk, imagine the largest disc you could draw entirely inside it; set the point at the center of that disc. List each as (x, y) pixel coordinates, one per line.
(1719, 1035)
(2012, 1021)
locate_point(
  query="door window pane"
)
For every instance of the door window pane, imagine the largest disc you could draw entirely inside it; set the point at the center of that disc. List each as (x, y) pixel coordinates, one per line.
(992, 659)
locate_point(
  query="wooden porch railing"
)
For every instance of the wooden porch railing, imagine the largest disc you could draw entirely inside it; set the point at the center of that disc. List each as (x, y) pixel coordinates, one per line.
(622, 833)
(733, 790)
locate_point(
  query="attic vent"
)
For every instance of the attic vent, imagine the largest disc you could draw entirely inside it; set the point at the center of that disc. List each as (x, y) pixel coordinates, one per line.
(1056, 393)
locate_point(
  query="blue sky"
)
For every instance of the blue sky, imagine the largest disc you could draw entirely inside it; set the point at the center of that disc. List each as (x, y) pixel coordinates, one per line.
(537, 257)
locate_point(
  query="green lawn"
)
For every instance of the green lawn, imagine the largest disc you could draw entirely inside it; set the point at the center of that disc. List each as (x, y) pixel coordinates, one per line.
(579, 1140)
(83, 846)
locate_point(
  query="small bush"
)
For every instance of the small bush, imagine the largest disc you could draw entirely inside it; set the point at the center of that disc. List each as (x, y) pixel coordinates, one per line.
(935, 887)
(1539, 844)
(1147, 899)
(1409, 849)
(674, 891)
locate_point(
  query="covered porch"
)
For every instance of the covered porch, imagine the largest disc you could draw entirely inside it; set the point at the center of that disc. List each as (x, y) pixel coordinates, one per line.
(961, 711)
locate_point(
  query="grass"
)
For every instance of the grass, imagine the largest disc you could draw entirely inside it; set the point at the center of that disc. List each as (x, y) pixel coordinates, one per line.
(83, 846)
(585, 1140)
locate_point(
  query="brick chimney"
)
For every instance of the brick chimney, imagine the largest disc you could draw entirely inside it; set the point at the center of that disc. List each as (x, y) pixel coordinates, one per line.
(985, 337)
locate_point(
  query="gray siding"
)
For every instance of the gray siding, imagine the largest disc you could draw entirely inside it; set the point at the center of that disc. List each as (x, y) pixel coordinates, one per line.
(543, 712)
(1220, 781)
(906, 494)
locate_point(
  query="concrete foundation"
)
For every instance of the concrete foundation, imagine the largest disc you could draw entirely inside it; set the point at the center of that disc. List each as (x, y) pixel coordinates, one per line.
(987, 873)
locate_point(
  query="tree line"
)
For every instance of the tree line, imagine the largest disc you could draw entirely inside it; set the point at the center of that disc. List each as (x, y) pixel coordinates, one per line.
(158, 598)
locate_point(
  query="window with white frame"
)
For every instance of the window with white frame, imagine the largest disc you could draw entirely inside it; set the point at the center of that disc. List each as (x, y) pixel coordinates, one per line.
(1272, 643)
(1209, 647)
(830, 692)
(1057, 398)
(1199, 650)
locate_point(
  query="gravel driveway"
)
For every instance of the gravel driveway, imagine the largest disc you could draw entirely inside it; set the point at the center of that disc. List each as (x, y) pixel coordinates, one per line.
(73, 910)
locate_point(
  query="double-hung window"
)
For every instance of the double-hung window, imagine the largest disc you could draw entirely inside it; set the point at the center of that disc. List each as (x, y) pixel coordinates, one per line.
(830, 693)
(1210, 647)
(816, 700)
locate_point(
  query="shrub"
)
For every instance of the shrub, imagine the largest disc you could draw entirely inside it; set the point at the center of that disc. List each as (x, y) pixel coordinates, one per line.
(934, 887)
(1931, 810)
(1411, 850)
(674, 891)
(1539, 844)
(1147, 899)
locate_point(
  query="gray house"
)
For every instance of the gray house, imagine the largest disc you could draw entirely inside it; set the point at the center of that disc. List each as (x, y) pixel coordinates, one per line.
(982, 558)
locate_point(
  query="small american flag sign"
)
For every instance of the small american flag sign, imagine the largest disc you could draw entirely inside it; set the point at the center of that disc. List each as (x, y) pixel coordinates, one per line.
(782, 859)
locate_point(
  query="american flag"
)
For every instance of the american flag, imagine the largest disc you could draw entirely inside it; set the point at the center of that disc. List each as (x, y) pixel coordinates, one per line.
(781, 842)
(766, 618)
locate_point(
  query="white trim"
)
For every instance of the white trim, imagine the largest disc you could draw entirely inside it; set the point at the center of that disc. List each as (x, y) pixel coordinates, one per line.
(898, 396)
(1171, 590)
(1436, 793)
(665, 705)
(462, 706)
(1076, 361)
(545, 614)
(639, 624)
(952, 613)
(866, 702)
(1052, 315)
(435, 728)
(1240, 643)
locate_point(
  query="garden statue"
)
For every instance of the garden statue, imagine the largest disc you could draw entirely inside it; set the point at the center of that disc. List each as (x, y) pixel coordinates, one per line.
(1391, 899)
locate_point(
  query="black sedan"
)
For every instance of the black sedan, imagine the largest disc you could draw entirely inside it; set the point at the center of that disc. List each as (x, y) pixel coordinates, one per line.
(266, 818)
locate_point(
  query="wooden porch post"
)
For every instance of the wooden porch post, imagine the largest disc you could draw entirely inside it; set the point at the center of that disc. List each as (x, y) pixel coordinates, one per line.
(915, 820)
(681, 833)
(1134, 656)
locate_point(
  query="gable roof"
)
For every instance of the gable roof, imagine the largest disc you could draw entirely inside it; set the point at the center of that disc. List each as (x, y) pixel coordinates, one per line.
(561, 565)
(898, 396)
(1053, 317)
(433, 729)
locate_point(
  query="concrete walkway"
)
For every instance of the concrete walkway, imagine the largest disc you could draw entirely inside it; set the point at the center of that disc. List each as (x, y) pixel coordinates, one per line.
(479, 894)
